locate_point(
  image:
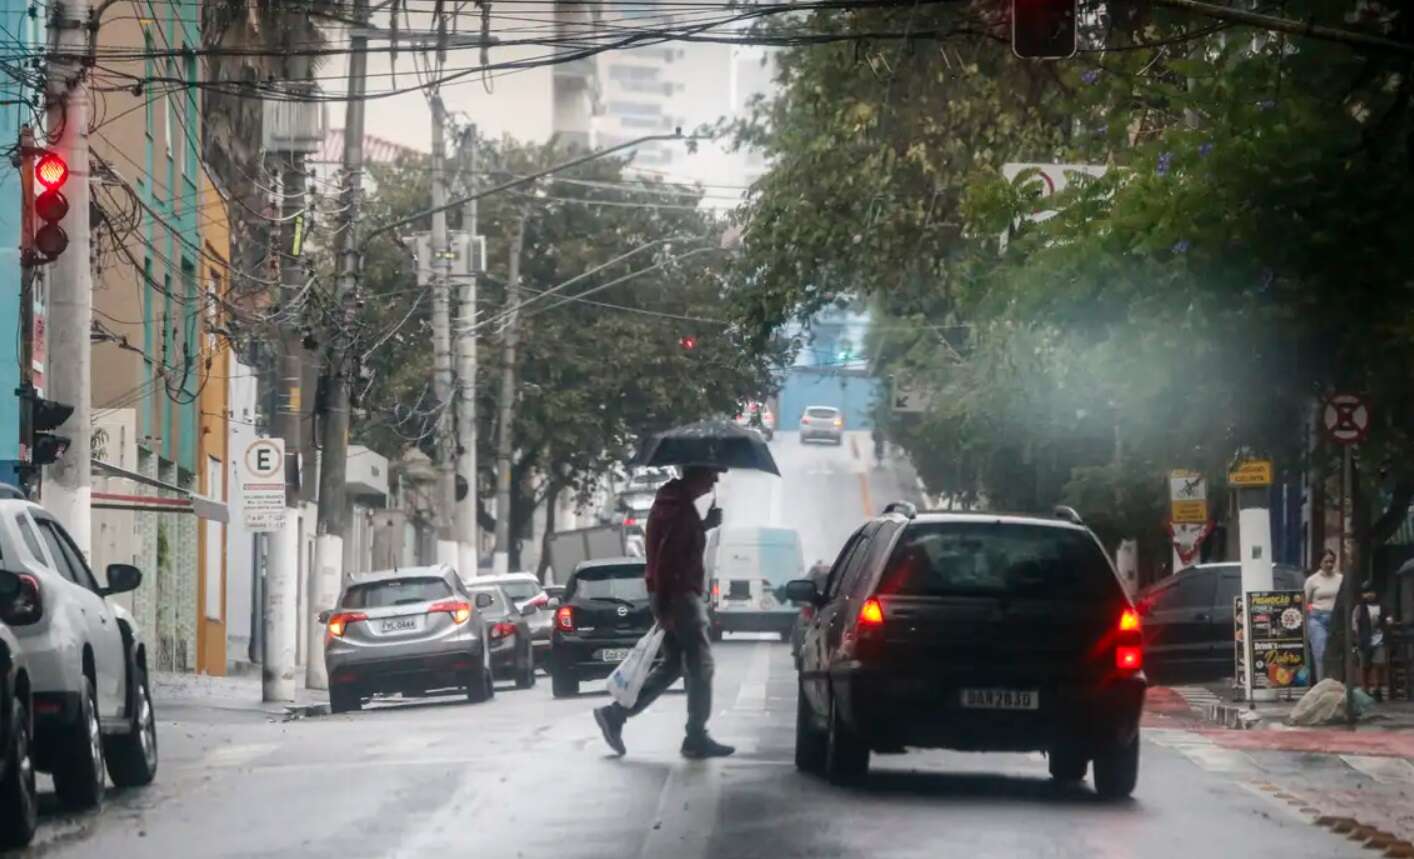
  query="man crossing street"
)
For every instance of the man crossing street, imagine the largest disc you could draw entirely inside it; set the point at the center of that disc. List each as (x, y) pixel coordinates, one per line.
(675, 540)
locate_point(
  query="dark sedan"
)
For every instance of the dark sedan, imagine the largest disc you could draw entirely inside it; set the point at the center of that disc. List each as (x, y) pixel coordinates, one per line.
(509, 636)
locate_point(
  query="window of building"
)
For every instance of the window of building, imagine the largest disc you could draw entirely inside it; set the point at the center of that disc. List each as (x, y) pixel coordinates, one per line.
(635, 108)
(625, 74)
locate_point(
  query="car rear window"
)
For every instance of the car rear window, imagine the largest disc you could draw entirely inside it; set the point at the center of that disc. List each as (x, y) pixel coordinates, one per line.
(520, 591)
(613, 583)
(821, 413)
(1003, 559)
(391, 592)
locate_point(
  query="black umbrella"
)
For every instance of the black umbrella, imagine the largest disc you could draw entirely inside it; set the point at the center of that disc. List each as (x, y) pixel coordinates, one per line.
(714, 443)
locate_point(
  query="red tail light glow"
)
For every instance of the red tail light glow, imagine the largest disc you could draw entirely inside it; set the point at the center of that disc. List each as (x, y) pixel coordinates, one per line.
(716, 589)
(629, 521)
(339, 622)
(871, 613)
(1129, 621)
(503, 630)
(459, 610)
(1129, 657)
(564, 618)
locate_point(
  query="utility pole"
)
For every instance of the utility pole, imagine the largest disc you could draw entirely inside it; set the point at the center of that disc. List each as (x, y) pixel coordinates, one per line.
(327, 576)
(506, 420)
(466, 525)
(442, 342)
(282, 571)
(67, 493)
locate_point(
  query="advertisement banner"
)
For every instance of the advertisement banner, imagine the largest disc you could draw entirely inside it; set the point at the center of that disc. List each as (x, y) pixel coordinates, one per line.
(1278, 648)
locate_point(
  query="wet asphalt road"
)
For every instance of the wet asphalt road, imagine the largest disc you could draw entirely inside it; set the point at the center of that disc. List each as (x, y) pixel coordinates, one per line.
(528, 776)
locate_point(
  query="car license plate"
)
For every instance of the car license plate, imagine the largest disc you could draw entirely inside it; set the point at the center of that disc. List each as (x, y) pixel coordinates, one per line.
(1000, 699)
(400, 624)
(613, 655)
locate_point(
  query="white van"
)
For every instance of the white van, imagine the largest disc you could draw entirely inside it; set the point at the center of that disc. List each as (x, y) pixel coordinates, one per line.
(748, 569)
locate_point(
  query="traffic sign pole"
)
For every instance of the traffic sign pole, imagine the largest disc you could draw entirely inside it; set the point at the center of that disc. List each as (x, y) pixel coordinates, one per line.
(1346, 421)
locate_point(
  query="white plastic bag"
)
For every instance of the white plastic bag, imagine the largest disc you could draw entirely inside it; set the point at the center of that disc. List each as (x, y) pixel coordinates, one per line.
(627, 680)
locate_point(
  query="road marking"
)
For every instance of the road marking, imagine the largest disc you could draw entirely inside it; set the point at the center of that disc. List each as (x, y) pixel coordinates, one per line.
(687, 813)
(752, 694)
(234, 756)
(854, 446)
(864, 494)
(1382, 770)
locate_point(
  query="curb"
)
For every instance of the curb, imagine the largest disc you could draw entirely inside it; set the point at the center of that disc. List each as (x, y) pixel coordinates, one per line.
(1233, 716)
(305, 711)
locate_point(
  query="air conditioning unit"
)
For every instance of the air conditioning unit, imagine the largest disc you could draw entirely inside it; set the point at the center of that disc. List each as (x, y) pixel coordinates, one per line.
(294, 123)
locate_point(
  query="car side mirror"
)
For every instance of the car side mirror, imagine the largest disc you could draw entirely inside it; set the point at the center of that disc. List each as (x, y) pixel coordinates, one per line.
(802, 591)
(484, 601)
(122, 578)
(324, 615)
(529, 609)
(20, 601)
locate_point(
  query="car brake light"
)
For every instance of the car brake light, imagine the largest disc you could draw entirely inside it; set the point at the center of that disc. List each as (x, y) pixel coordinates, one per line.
(1129, 621)
(503, 629)
(716, 589)
(871, 613)
(1129, 657)
(339, 623)
(460, 611)
(564, 618)
(629, 521)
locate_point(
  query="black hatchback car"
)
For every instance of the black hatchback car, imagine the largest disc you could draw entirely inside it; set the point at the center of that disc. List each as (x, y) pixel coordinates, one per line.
(976, 632)
(1188, 620)
(604, 614)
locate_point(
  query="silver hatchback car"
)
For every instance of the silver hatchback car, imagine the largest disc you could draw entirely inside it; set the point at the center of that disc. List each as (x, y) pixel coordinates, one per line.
(411, 631)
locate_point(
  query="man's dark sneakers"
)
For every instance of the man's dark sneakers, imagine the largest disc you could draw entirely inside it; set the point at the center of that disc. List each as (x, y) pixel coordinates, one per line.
(612, 727)
(704, 746)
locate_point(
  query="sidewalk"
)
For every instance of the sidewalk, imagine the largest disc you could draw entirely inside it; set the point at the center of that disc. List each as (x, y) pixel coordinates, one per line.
(240, 692)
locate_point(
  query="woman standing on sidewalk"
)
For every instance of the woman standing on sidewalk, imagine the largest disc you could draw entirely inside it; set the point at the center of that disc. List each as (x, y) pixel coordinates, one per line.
(1322, 588)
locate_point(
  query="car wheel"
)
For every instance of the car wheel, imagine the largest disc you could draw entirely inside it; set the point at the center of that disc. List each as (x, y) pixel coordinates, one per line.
(481, 685)
(1117, 771)
(19, 804)
(344, 698)
(846, 755)
(525, 677)
(563, 685)
(132, 757)
(79, 776)
(810, 742)
(1067, 764)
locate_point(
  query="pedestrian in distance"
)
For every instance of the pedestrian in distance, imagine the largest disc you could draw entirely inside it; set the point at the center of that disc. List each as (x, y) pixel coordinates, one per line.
(1322, 588)
(1368, 620)
(675, 539)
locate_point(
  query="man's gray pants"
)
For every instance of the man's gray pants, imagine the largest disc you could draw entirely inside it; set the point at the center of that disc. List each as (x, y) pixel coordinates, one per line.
(686, 652)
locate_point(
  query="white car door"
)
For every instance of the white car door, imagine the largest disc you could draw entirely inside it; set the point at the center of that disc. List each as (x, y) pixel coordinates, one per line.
(102, 624)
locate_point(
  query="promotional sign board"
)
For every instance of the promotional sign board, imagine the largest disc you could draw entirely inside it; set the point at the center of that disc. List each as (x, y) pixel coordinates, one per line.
(263, 484)
(1251, 472)
(1188, 498)
(1278, 640)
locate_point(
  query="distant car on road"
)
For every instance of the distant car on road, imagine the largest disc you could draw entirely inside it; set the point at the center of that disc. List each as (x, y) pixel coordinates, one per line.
(86, 656)
(976, 632)
(757, 416)
(1188, 620)
(19, 803)
(508, 632)
(749, 568)
(408, 631)
(822, 422)
(604, 613)
(525, 589)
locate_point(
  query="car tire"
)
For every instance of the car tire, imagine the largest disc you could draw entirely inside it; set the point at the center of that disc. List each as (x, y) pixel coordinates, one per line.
(344, 699)
(810, 742)
(132, 757)
(563, 685)
(19, 801)
(1067, 764)
(525, 677)
(846, 755)
(79, 773)
(481, 685)
(1117, 771)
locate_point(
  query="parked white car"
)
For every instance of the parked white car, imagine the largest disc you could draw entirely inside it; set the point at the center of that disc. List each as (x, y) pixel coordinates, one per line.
(87, 659)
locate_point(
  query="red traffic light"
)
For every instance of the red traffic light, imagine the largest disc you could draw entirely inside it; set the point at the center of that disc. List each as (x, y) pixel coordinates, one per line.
(51, 171)
(689, 343)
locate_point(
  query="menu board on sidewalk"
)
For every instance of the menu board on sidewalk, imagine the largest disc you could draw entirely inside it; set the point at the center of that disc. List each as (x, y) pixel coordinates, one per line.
(1278, 647)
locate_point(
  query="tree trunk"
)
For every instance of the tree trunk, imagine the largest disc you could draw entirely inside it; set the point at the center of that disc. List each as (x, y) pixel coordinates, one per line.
(552, 504)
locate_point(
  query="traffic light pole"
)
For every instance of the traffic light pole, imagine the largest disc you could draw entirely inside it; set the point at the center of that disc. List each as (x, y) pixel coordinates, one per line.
(68, 490)
(25, 393)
